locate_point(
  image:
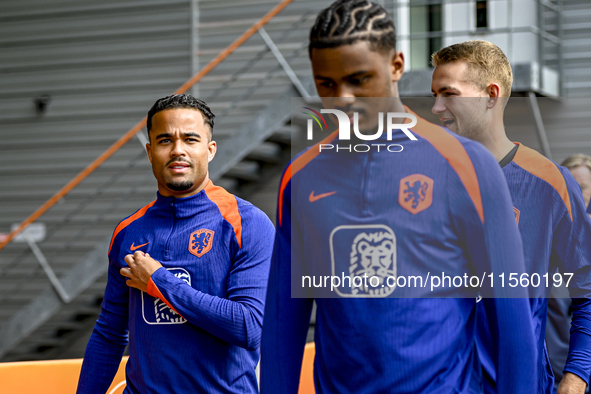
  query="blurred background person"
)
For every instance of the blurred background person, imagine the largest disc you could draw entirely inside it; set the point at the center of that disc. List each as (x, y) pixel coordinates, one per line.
(559, 306)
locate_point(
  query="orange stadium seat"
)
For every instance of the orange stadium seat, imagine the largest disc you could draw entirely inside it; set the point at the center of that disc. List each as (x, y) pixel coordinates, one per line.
(50, 377)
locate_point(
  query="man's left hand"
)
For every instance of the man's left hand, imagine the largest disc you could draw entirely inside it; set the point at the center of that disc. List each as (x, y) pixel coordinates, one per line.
(141, 268)
(571, 384)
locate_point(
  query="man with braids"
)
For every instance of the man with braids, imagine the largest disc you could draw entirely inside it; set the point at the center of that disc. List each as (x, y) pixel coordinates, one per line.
(187, 273)
(424, 210)
(472, 83)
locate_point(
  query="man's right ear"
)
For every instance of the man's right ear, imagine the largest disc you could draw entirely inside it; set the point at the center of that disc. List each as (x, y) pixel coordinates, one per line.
(149, 151)
(397, 66)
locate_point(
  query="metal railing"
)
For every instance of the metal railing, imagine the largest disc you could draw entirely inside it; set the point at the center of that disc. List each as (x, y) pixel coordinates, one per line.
(142, 123)
(73, 223)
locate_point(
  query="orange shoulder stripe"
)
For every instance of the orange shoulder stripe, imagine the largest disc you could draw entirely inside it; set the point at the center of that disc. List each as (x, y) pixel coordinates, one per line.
(228, 206)
(296, 166)
(539, 166)
(130, 219)
(455, 154)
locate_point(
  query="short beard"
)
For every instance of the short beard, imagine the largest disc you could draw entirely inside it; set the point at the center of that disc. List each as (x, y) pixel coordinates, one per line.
(473, 131)
(180, 187)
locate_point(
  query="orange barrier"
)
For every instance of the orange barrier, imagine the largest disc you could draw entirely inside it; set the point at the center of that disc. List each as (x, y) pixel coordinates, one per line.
(50, 377)
(307, 374)
(135, 129)
(61, 376)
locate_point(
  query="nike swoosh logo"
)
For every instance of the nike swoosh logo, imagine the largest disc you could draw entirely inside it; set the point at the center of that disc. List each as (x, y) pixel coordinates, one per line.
(133, 247)
(313, 198)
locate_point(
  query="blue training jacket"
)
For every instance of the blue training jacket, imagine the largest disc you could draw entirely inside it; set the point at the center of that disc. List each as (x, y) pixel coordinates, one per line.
(198, 328)
(555, 230)
(440, 205)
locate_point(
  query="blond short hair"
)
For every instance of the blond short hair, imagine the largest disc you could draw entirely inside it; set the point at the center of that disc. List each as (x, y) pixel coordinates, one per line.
(487, 63)
(577, 160)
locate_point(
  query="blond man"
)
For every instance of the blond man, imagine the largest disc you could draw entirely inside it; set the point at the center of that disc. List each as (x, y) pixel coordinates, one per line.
(471, 83)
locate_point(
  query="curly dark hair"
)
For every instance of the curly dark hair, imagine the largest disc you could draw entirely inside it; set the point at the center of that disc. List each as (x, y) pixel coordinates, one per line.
(181, 101)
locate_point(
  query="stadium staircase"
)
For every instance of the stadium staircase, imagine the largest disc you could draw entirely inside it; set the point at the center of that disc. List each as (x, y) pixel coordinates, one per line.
(53, 275)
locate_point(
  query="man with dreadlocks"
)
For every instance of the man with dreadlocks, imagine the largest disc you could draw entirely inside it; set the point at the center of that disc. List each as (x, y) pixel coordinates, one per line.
(428, 209)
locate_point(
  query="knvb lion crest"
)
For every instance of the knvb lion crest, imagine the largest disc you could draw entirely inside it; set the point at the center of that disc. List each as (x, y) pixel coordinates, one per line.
(416, 193)
(374, 255)
(200, 242)
(156, 311)
(162, 312)
(364, 257)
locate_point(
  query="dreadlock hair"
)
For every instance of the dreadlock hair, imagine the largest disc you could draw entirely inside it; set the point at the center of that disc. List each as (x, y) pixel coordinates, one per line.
(348, 21)
(181, 101)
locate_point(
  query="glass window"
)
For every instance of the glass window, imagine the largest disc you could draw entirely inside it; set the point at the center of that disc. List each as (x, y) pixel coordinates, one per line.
(425, 34)
(481, 14)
